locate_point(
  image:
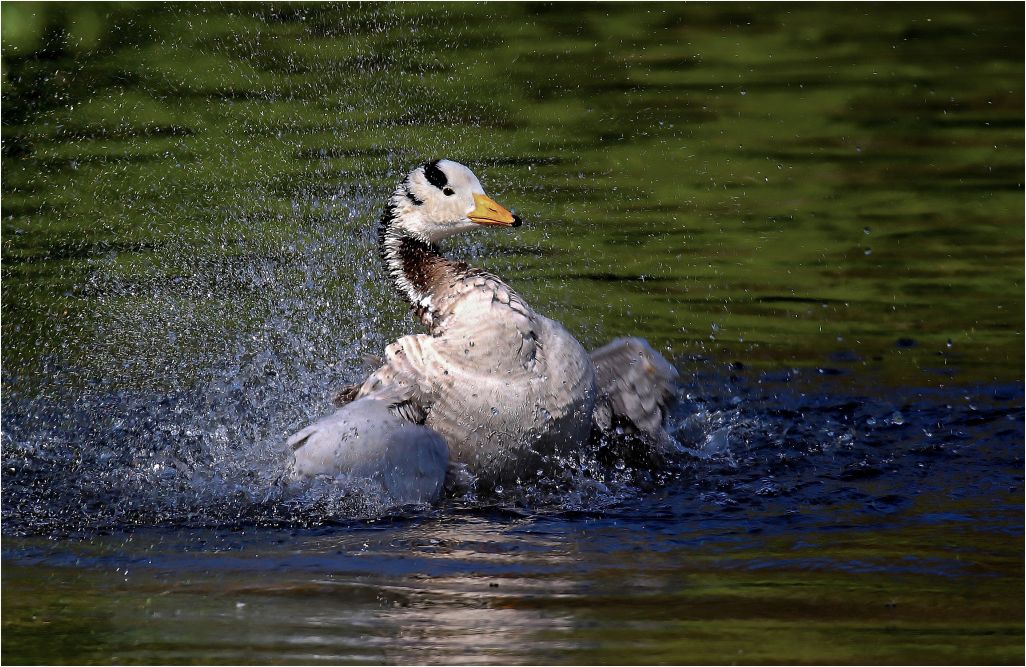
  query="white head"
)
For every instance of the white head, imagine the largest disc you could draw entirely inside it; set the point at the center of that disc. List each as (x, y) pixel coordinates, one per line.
(442, 198)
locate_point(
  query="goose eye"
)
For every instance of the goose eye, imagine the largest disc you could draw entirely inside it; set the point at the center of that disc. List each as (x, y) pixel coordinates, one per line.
(448, 192)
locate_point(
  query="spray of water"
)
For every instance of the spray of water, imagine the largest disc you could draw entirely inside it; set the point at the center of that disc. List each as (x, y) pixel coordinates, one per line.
(200, 359)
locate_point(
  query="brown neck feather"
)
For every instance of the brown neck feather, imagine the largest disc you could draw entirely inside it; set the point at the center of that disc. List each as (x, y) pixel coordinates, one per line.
(417, 268)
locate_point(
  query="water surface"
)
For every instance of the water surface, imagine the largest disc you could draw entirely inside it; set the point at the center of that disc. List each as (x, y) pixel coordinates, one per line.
(815, 211)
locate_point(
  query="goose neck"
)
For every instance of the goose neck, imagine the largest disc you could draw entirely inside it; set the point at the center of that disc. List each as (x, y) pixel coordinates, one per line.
(416, 267)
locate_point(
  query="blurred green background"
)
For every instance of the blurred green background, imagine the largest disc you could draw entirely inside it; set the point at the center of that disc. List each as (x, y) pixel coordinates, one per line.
(772, 183)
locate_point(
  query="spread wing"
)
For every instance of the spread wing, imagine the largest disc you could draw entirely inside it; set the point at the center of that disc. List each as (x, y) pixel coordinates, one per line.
(636, 388)
(400, 400)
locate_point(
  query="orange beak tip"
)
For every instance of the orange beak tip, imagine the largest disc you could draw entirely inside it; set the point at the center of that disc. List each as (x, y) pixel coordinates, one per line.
(488, 212)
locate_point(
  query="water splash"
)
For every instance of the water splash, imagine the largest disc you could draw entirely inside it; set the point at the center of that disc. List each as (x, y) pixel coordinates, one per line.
(213, 455)
(200, 360)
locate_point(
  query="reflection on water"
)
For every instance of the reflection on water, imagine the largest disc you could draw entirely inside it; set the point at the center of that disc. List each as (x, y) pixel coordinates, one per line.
(752, 182)
(816, 213)
(803, 516)
(641, 584)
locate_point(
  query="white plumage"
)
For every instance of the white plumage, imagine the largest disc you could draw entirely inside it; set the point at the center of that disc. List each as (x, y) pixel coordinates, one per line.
(366, 440)
(506, 388)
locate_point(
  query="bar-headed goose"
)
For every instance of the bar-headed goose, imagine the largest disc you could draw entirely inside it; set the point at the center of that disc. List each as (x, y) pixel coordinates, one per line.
(508, 389)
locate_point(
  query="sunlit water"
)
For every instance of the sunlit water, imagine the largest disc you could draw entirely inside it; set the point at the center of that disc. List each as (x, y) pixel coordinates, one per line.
(816, 216)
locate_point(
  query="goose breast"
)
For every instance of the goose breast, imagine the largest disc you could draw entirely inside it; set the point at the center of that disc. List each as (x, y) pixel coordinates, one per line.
(507, 388)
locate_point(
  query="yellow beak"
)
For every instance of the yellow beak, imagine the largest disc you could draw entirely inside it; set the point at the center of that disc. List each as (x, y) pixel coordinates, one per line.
(488, 212)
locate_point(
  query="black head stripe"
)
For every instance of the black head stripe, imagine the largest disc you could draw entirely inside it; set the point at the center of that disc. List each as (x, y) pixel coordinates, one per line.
(435, 176)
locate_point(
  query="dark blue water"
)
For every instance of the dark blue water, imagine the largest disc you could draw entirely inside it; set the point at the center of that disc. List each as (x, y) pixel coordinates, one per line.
(761, 451)
(805, 511)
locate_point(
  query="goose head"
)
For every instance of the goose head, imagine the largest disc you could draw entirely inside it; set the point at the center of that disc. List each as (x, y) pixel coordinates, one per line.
(441, 198)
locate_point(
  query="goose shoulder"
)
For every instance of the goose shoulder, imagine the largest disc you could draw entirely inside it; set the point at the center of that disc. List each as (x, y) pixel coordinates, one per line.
(478, 299)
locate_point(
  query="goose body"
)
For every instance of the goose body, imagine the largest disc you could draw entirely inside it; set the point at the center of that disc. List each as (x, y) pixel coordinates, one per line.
(508, 389)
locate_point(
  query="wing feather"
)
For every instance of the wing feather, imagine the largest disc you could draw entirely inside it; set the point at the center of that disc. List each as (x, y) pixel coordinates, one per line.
(636, 388)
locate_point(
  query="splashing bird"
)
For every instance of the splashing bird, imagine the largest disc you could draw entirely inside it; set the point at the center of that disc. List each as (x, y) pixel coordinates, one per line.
(508, 390)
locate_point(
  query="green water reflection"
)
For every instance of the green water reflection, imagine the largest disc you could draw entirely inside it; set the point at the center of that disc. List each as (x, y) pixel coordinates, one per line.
(500, 596)
(765, 182)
